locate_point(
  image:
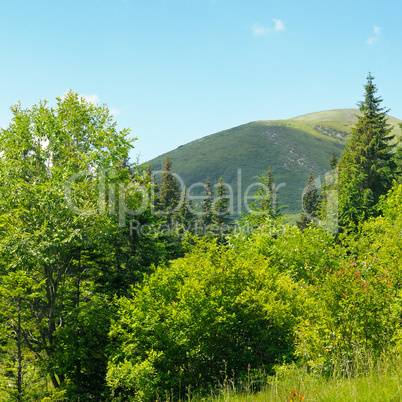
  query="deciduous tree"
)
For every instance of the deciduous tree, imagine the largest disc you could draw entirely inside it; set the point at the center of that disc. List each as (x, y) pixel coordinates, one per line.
(66, 194)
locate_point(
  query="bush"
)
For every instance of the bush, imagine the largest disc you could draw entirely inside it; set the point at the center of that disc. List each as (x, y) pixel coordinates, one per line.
(358, 304)
(216, 312)
(353, 321)
(304, 255)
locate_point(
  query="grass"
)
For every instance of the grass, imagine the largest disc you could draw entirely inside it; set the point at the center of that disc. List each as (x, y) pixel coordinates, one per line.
(381, 383)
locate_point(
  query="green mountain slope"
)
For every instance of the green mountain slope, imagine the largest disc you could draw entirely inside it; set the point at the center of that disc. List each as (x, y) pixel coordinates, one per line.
(291, 148)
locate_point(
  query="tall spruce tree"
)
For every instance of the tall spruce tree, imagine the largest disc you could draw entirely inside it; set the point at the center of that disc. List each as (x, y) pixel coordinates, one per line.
(367, 166)
(333, 161)
(221, 205)
(265, 205)
(169, 192)
(268, 194)
(310, 201)
(206, 206)
(184, 217)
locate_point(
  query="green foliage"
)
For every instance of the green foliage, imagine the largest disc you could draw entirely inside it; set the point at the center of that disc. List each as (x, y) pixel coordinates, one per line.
(61, 230)
(218, 309)
(81, 350)
(366, 167)
(264, 206)
(378, 244)
(221, 204)
(358, 304)
(310, 200)
(207, 213)
(85, 315)
(303, 255)
(185, 217)
(17, 364)
(333, 161)
(353, 320)
(169, 192)
(134, 381)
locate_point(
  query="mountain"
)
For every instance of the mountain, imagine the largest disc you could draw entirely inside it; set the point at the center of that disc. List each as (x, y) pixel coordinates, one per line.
(291, 148)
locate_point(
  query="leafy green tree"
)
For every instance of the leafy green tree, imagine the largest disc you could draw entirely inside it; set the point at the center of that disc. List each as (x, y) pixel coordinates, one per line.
(366, 167)
(17, 291)
(310, 201)
(81, 350)
(45, 151)
(66, 197)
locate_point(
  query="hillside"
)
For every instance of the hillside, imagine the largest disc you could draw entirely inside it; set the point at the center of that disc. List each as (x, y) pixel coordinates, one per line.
(291, 148)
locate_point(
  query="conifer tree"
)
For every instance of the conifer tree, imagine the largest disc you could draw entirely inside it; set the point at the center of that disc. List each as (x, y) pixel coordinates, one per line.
(153, 187)
(184, 216)
(310, 201)
(367, 166)
(265, 205)
(206, 206)
(221, 205)
(169, 194)
(333, 161)
(268, 195)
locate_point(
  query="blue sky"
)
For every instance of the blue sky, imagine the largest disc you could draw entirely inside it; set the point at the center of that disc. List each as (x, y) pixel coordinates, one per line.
(177, 70)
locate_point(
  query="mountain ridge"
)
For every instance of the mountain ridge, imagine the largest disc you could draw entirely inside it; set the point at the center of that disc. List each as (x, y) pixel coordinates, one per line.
(291, 148)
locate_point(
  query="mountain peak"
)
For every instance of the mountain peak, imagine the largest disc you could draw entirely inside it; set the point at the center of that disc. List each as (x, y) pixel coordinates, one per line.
(338, 115)
(292, 148)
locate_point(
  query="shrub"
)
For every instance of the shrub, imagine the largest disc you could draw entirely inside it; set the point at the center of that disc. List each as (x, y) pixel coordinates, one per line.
(217, 311)
(358, 304)
(304, 255)
(352, 322)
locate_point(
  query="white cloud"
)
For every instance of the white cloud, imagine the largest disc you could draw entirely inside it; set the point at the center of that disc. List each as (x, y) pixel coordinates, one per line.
(375, 37)
(279, 25)
(259, 30)
(377, 30)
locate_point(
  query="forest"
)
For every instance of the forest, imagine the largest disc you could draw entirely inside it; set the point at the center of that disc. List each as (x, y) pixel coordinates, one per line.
(115, 284)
